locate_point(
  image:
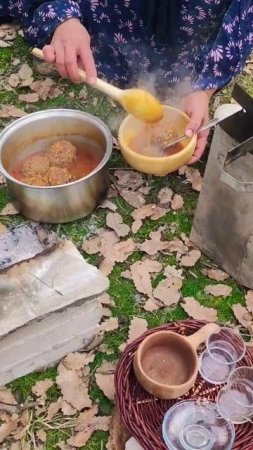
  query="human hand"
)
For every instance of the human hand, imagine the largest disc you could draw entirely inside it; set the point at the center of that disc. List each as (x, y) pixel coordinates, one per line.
(196, 106)
(70, 49)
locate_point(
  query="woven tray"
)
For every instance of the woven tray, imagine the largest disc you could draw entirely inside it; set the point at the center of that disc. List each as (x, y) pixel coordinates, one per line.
(142, 414)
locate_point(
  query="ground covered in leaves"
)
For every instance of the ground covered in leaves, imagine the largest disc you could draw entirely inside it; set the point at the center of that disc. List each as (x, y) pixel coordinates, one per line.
(139, 237)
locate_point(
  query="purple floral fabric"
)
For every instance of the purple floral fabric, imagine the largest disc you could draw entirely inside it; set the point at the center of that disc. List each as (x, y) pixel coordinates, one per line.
(212, 38)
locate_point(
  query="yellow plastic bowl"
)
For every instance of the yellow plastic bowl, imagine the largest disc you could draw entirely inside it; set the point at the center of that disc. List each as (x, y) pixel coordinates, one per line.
(130, 127)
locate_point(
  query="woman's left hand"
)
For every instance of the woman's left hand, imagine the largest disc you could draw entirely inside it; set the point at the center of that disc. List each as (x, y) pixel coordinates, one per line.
(196, 106)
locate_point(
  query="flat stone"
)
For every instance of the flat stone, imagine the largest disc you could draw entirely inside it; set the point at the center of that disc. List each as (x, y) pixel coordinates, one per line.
(47, 283)
(43, 342)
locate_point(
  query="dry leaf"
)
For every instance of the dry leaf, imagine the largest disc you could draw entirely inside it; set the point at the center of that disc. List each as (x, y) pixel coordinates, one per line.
(41, 387)
(13, 80)
(165, 197)
(177, 202)
(41, 435)
(76, 361)
(81, 438)
(6, 396)
(107, 204)
(153, 211)
(150, 306)
(100, 244)
(218, 290)
(249, 301)
(167, 291)
(193, 176)
(7, 426)
(177, 246)
(110, 324)
(154, 244)
(137, 327)
(172, 272)
(118, 435)
(215, 274)
(11, 111)
(67, 409)
(29, 98)
(9, 210)
(126, 274)
(140, 272)
(42, 88)
(133, 198)
(74, 390)
(115, 221)
(105, 381)
(105, 299)
(25, 74)
(244, 317)
(122, 250)
(190, 259)
(15, 446)
(197, 311)
(128, 178)
(54, 408)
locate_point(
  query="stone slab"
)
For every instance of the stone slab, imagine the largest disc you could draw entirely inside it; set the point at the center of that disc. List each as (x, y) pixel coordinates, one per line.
(43, 342)
(47, 283)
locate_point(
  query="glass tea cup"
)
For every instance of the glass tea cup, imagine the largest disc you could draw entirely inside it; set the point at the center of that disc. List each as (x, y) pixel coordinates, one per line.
(223, 351)
(235, 400)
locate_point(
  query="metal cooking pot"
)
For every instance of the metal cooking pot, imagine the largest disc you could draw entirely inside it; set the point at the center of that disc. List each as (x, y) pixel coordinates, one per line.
(64, 203)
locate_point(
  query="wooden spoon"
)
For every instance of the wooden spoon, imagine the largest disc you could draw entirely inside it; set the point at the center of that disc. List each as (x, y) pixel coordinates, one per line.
(137, 102)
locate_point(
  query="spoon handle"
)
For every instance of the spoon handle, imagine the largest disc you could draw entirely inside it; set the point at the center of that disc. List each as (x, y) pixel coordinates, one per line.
(101, 85)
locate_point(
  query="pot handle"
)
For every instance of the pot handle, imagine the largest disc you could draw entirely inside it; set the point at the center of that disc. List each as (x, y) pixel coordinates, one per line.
(202, 334)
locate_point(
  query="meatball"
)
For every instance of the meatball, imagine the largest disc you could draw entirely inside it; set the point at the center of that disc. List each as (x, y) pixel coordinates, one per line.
(35, 165)
(34, 180)
(58, 175)
(61, 153)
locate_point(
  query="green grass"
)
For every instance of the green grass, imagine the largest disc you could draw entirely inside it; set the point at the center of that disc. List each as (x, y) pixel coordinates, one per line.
(122, 291)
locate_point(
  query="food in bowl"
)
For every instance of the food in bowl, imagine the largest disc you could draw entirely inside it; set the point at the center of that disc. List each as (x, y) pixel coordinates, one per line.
(153, 138)
(59, 164)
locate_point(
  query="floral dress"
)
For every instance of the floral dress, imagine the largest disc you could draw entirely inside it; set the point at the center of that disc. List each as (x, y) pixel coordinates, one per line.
(207, 41)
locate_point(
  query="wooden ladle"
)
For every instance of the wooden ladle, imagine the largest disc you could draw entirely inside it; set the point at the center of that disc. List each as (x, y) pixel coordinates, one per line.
(137, 102)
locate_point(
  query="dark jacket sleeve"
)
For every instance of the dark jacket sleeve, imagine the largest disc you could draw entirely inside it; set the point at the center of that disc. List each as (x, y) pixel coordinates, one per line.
(39, 19)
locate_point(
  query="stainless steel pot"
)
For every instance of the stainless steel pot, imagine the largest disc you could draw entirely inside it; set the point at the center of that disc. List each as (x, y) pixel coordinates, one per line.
(64, 203)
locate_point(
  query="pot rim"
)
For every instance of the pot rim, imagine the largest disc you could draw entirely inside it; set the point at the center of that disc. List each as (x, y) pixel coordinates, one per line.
(101, 125)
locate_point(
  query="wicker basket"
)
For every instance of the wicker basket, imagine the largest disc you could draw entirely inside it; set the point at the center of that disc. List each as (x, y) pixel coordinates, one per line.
(142, 414)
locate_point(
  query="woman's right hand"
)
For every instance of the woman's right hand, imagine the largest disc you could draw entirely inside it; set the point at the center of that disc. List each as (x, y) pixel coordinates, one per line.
(70, 50)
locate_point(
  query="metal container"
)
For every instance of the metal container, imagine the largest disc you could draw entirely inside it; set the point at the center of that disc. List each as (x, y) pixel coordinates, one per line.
(64, 203)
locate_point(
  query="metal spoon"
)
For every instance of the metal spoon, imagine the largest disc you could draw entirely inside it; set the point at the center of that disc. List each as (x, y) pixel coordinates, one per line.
(221, 114)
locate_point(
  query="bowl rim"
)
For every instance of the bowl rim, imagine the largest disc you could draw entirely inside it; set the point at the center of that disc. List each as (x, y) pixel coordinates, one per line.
(174, 157)
(138, 365)
(65, 111)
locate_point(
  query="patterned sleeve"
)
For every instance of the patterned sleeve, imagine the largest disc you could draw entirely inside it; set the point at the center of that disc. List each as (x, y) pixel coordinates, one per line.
(39, 19)
(232, 47)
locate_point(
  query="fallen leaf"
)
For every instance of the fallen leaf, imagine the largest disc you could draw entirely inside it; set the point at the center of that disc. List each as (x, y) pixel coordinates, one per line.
(41, 387)
(249, 301)
(13, 80)
(177, 202)
(190, 259)
(107, 204)
(16, 446)
(215, 274)
(106, 312)
(105, 299)
(140, 272)
(74, 390)
(110, 324)
(126, 274)
(154, 245)
(67, 409)
(54, 408)
(29, 98)
(244, 317)
(119, 252)
(101, 243)
(76, 361)
(41, 435)
(177, 246)
(165, 197)
(81, 438)
(193, 176)
(115, 222)
(25, 74)
(153, 211)
(168, 292)
(197, 311)
(172, 272)
(104, 377)
(218, 290)
(9, 210)
(42, 88)
(11, 111)
(136, 225)
(137, 327)
(118, 435)
(133, 198)
(8, 425)
(6, 396)
(150, 306)
(128, 178)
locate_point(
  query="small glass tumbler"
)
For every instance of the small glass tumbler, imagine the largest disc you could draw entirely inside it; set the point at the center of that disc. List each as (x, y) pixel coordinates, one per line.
(222, 353)
(235, 400)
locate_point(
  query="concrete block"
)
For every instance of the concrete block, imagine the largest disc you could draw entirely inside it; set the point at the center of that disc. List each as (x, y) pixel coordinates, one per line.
(44, 341)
